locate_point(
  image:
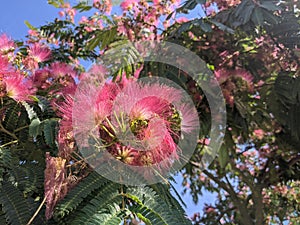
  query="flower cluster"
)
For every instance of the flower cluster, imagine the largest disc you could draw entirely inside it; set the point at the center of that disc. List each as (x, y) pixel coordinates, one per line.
(13, 83)
(141, 19)
(234, 81)
(139, 124)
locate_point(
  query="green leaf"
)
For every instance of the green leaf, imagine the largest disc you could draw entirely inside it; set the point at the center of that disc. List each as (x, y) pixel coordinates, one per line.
(45, 106)
(270, 18)
(205, 26)
(14, 205)
(183, 28)
(111, 215)
(30, 111)
(82, 6)
(94, 43)
(56, 3)
(2, 218)
(35, 128)
(223, 156)
(170, 15)
(103, 38)
(189, 5)
(244, 10)
(99, 210)
(257, 17)
(29, 25)
(154, 208)
(144, 219)
(28, 177)
(5, 162)
(12, 117)
(78, 194)
(269, 5)
(164, 192)
(5, 158)
(50, 126)
(294, 121)
(221, 26)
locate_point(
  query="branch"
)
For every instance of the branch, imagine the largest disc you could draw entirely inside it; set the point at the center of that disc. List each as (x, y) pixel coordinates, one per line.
(258, 205)
(7, 132)
(256, 193)
(245, 217)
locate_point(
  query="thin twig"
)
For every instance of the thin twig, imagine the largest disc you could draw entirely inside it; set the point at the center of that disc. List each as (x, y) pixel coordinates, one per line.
(37, 211)
(9, 143)
(21, 128)
(7, 132)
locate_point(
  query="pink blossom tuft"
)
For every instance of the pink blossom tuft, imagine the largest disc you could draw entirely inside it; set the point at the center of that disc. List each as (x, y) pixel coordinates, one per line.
(17, 87)
(6, 44)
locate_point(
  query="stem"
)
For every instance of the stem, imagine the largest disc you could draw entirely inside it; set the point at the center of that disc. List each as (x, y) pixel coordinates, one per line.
(37, 211)
(9, 143)
(7, 132)
(21, 128)
(123, 201)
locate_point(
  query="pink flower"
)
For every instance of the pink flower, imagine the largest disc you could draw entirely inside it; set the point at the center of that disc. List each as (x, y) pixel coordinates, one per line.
(210, 209)
(204, 141)
(61, 13)
(156, 2)
(39, 52)
(139, 100)
(33, 33)
(6, 44)
(246, 76)
(5, 66)
(189, 118)
(138, 123)
(182, 20)
(211, 10)
(108, 6)
(55, 184)
(232, 81)
(259, 134)
(66, 141)
(153, 119)
(97, 71)
(175, 2)
(152, 18)
(104, 6)
(40, 77)
(125, 154)
(128, 4)
(71, 13)
(17, 87)
(60, 70)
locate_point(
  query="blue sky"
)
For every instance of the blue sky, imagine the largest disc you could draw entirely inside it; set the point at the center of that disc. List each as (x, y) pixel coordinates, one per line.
(38, 12)
(15, 12)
